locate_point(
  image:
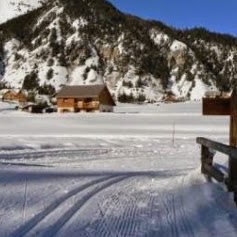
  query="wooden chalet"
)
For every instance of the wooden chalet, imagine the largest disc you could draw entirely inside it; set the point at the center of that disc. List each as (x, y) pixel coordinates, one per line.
(2, 93)
(89, 98)
(14, 96)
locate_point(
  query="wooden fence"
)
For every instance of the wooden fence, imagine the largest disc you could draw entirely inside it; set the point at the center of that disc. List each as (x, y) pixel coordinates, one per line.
(208, 149)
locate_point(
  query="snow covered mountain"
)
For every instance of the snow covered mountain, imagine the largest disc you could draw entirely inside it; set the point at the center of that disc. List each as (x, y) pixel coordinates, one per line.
(90, 42)
(12, 8)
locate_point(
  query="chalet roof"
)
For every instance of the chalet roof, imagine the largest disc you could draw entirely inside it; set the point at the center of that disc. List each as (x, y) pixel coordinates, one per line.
(80, 91)
(13, 91)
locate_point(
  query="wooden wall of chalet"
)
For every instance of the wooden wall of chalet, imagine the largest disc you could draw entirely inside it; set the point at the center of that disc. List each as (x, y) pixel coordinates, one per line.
(21, 97)
(11, 96)
(105, 98)
(66, 103)
(76, 105)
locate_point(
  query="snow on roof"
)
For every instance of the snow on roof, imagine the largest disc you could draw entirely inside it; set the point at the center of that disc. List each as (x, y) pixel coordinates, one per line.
(212, 93)
(2, 92)
(14, 91)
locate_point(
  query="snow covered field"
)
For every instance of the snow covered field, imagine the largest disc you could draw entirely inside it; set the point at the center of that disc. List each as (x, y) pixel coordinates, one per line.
(131, 173)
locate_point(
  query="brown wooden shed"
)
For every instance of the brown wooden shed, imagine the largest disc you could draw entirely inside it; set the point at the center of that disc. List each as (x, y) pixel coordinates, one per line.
(85, 98)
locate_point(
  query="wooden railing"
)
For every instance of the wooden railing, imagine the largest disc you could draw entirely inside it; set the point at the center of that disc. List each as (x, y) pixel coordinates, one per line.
(88, 105)
(208, 148)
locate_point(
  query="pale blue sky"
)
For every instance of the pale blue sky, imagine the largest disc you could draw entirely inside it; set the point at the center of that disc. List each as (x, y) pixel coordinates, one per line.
(215, 15)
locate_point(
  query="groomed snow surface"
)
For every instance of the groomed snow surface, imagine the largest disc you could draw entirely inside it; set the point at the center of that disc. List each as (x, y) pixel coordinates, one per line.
(135, 173)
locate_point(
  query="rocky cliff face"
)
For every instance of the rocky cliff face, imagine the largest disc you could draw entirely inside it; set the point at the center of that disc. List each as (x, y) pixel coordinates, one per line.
(91, 42)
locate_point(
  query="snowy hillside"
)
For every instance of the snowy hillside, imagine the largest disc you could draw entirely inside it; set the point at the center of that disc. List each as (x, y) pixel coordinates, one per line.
(135, 172)
(92, 42)
(12, 8)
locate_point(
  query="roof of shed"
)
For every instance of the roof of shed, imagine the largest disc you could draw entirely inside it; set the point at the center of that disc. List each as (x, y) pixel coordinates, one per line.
(80, 91)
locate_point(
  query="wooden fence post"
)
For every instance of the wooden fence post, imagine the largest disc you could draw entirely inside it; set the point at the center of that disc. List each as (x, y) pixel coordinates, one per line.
(206, 159)
(232, 182)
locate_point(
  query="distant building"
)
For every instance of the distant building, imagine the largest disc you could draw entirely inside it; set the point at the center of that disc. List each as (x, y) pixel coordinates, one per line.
(33, 108)
(10, 95)
(90, 98)
(171, 99)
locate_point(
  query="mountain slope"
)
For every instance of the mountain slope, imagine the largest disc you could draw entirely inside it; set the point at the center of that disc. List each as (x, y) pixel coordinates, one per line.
(90, 42)
(12, 8)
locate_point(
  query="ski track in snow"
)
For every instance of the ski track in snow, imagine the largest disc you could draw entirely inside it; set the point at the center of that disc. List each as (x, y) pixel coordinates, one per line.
(39, 217)
(133, 220)
(138, 215)
(54, 228)
(78, 205)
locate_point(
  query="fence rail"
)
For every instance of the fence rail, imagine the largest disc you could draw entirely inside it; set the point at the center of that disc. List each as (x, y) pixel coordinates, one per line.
(208, 148)
(217, 146)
